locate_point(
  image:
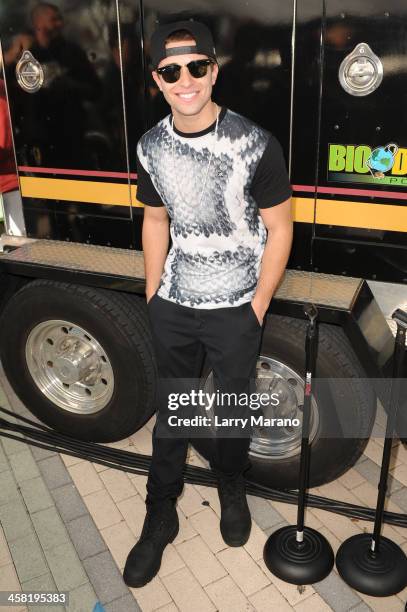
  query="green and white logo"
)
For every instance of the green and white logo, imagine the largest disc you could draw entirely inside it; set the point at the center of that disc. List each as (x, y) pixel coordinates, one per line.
(384, 165)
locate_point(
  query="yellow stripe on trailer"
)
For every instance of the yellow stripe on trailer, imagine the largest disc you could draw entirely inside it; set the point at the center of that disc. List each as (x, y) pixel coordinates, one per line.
(342, 213)
(93, 192)
(362, 214)
(303, 209)
(328, 212)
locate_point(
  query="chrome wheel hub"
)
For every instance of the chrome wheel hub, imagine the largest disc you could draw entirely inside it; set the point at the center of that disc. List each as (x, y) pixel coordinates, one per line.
(277, 442)
(69, 366)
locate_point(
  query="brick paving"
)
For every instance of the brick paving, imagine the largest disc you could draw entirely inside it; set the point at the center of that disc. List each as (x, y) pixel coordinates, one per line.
(68, 524)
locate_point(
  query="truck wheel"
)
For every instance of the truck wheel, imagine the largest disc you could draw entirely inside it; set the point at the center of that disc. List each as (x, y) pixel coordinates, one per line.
(80, 358)
(275, 455)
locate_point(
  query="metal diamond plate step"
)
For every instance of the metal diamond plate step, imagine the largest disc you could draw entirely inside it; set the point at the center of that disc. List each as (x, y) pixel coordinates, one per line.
(79, 256)
(320, 289)
(323, 289)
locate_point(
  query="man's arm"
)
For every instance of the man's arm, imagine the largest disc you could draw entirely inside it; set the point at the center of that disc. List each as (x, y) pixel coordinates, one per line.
(155, 232)
(278, 221)
(155, 239)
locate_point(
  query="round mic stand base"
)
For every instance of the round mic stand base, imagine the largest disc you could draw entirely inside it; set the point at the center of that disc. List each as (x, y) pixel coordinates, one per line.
(371, 563)
(305, 562)
(381, 574)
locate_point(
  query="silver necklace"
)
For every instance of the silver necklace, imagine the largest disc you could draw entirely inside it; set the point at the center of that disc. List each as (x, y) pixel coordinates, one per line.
(210, 158)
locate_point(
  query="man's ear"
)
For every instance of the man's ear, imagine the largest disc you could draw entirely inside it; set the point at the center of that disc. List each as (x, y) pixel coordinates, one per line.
(215, 71)
(156, 79)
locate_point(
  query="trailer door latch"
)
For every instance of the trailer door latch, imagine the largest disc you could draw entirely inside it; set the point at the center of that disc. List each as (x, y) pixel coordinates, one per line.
(361, 72)
(29, 73)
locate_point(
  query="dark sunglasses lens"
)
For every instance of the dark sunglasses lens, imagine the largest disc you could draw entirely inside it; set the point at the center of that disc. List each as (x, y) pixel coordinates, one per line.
(198, 69)
(171, 74)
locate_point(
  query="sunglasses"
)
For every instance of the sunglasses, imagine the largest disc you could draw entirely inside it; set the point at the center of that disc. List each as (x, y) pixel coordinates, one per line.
(197, 69)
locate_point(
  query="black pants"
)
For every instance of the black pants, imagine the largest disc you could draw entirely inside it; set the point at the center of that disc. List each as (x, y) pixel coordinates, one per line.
(182, 335)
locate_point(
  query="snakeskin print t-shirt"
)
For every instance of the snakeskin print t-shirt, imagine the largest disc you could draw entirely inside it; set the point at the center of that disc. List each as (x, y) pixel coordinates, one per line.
(218, 236)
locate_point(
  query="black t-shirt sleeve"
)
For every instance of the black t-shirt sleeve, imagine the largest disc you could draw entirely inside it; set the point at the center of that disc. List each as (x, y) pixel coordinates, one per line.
(270, 185)
(146, 192)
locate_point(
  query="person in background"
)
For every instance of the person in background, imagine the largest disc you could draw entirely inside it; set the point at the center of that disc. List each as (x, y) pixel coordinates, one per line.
(9, 188)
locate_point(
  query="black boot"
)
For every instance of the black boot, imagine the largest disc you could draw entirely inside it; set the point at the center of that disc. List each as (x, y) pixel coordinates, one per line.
(235, 522)
(160, 528)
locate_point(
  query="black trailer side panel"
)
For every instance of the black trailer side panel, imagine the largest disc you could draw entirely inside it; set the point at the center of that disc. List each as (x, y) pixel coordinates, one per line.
(305, 126)
(70, 136)
(360, 215)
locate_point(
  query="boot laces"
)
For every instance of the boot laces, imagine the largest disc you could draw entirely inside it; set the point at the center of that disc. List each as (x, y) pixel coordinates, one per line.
(156, 523)
(232, 490)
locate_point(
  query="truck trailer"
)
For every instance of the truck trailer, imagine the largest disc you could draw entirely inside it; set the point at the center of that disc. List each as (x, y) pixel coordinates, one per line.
(327, 78)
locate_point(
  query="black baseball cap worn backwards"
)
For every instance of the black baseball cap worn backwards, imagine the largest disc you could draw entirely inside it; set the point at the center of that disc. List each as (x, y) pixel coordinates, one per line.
(202, 35)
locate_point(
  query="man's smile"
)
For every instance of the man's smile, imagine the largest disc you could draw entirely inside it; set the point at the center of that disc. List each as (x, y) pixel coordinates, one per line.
(187, 96)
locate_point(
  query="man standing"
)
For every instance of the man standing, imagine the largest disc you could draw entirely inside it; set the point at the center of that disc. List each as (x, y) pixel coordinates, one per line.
(217, 183)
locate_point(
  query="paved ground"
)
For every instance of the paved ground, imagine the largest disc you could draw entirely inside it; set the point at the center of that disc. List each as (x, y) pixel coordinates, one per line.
(68, 524)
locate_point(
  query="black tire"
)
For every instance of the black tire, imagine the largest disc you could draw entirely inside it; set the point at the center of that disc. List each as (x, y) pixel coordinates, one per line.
(9, 284)
(4, 282)
(118, 321)
(284, 340)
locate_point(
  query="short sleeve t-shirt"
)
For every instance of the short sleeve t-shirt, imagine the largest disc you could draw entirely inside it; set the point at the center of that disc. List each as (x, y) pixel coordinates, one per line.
(212, 189)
